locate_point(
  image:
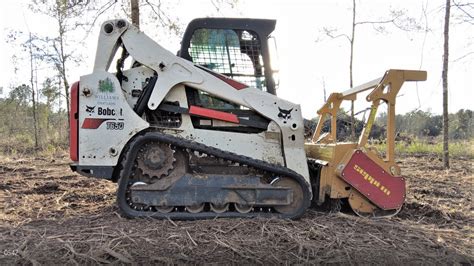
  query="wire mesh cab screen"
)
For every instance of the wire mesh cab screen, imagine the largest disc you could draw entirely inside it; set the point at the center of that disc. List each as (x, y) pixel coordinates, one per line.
(234, 53)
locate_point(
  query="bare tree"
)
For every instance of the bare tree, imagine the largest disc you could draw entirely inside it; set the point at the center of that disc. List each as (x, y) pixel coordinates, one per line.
(445, 86)
(466, 11)
(133, 9)
(397, 18)
(33, 91)
(51, 93)
(158, 13)
(54, 49)
(135, 13)
(462, 12)
(218, 4)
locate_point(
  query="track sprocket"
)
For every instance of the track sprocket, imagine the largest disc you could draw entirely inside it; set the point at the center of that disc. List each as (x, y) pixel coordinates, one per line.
(155, 160)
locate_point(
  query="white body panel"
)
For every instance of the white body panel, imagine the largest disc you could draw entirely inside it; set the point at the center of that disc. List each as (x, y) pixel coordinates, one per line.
(261, 146)
(102, 145)
(173, 74)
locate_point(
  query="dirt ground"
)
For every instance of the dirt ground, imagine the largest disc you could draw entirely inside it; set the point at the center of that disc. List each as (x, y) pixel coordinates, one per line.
(51, 215)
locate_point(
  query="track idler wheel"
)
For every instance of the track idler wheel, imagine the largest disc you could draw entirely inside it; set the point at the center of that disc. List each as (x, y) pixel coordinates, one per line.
(297, 200)
(164, 209)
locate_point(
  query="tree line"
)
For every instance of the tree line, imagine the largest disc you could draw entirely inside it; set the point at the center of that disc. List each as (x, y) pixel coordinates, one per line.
(416, 124)
(25, 128)
(18, 125)
(422, 124)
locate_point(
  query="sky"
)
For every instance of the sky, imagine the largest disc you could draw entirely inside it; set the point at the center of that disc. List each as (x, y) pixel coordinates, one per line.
(308, 60)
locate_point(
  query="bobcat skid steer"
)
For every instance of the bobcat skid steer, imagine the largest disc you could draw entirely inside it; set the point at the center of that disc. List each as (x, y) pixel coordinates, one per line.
(201, 134)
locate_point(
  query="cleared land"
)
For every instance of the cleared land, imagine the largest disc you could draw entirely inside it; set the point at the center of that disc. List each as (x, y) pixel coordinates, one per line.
(51, 215)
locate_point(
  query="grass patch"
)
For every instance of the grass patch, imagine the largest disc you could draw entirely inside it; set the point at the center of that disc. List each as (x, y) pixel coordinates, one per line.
(460, 148)
(23, 145)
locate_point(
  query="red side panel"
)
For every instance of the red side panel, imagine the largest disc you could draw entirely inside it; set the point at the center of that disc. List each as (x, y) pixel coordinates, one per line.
(210, 113)
(93, 123)
(73, 122)
(237, 85)
(367, 177)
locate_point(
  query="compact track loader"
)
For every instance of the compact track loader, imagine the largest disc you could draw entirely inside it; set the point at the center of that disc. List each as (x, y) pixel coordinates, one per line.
(202, 134)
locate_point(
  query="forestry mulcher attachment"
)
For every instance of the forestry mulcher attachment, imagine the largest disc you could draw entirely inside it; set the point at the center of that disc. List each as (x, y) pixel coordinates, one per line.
(201, 134)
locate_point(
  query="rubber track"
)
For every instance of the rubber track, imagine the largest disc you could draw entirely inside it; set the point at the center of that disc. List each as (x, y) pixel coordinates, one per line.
(131, 151)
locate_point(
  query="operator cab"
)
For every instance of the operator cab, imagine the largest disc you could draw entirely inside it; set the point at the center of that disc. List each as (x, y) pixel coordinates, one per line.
(235, 47)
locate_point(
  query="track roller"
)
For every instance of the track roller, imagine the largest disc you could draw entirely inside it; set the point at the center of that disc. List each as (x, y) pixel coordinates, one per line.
(242, 208)
(219, 208)
(195, 208)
